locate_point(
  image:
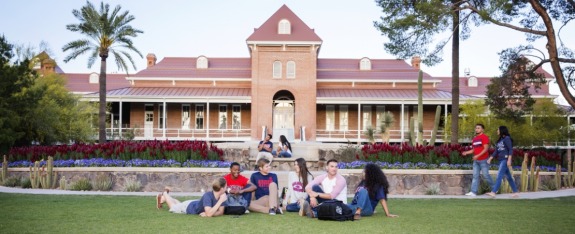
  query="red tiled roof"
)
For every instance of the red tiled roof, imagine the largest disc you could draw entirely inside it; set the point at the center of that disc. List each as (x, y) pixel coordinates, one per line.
(78, 82)
(380, 69)
(268, 31)
(402, 94)
(481, 88)
(186, 67)
(180, 92)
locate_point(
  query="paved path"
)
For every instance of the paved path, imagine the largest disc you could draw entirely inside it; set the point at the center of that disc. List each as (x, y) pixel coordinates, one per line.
(529, 195)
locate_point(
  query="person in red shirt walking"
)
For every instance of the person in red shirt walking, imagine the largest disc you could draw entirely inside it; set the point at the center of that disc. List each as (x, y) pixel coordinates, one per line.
(480, 153)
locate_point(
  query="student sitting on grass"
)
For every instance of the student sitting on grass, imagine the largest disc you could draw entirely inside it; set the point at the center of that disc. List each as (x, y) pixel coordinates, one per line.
(371, 190)
(266, 187)
(237, 187)
(210, 205)
(297, 180)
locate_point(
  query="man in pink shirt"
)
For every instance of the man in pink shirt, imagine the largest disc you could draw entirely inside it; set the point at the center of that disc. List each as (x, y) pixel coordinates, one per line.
(324, 187)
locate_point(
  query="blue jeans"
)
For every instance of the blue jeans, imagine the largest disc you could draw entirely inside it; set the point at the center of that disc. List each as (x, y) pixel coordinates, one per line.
(292, 207)
(504, 171)
(483, 167)
(361, 200)
(284, 154)
(316, 188)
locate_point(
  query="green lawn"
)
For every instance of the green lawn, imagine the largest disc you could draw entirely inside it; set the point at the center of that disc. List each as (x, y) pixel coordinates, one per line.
(133, 214)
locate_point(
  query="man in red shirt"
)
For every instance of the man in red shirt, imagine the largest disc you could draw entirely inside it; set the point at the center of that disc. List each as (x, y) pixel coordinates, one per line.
(238, 187)
(480, 145)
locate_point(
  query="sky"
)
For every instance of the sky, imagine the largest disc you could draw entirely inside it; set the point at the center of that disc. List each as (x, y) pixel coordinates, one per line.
(181, 28)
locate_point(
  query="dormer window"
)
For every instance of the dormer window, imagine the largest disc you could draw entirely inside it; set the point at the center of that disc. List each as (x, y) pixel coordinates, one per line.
(284, 27)
(94, 78)
(472, 81)
(202, 62)
(277, 69)
(365, 64)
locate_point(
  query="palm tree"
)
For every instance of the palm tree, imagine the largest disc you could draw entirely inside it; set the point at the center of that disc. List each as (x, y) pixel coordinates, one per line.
(107, 33)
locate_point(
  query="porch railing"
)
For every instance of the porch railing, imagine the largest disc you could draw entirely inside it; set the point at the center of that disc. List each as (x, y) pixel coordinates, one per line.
(178, 133)
(352, 135)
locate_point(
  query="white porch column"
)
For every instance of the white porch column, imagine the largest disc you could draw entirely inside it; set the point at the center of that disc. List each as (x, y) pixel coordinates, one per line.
(208, 120)
(120, 120)
(358, 121)
(164, 121)
(402, 127)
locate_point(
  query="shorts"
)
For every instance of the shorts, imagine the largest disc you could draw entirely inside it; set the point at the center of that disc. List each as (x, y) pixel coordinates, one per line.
(181, 207)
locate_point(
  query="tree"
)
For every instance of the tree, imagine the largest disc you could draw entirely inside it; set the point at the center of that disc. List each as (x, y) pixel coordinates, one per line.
(107, 32)
(13, 79)
(537, 19)
(508, 96)
(412, 26)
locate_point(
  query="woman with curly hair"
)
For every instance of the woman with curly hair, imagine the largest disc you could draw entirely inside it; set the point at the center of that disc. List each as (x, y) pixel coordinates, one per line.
(371, 190)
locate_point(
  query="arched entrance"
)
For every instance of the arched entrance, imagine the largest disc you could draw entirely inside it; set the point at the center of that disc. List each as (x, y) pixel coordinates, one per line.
(283, 115)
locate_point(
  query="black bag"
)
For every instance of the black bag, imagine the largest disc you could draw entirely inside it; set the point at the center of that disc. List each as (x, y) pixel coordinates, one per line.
(334, 210)
(235, 205)
(235, 210)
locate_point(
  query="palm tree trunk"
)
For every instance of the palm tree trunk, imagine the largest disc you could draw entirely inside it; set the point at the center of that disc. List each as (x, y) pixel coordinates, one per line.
(102, 110)
(455, 77)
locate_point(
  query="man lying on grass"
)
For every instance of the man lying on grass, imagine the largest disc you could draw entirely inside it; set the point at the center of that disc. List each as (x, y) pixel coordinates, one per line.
(211, 204)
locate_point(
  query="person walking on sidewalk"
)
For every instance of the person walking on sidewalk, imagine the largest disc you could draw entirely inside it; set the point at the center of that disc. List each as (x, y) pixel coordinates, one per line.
(480, 153)
(503, 152)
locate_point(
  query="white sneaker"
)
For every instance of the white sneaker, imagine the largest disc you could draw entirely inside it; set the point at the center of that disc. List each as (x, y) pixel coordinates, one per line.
(471, 194)
(247, 212)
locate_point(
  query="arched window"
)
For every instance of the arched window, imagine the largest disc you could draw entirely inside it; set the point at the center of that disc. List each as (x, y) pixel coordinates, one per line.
(472, 81)
(365, 64)
(94, 78)
(277, 69)
(290, 70)
(284, 27)
(202, 62)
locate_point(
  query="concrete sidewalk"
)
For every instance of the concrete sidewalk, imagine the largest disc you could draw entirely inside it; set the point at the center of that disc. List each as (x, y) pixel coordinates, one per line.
(529, 195)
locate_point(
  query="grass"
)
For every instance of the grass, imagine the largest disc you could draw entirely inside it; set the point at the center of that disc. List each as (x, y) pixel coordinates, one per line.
(23, 213)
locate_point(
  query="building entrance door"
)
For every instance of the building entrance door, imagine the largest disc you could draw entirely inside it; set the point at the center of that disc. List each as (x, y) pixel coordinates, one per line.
(149, 121)
(283, 121)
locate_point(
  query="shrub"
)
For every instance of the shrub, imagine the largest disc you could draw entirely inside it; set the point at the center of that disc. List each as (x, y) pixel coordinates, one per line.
(26, 183)
(132, 186)
(11, 182)
(348, 153)
(484, 186)
(548, 184)
(82, 184)
(103, 182)
(433, 189)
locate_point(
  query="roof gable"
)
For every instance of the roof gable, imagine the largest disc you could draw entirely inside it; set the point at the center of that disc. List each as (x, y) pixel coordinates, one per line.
(268, 31)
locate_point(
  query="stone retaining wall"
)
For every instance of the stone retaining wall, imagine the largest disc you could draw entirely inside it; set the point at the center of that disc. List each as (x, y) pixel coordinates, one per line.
(412, 182)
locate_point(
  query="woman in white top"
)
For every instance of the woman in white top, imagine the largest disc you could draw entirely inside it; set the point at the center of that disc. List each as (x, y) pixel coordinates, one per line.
(284, 148)
(297, 180)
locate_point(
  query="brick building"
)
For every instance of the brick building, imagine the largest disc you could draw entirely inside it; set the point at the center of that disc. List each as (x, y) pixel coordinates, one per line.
(283, 87)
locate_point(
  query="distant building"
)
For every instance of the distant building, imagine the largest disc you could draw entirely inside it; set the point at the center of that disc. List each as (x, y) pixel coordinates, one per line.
(283, 87)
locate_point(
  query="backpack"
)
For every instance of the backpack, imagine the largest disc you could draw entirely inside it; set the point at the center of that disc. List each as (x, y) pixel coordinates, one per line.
(334, 210)
(235, 205)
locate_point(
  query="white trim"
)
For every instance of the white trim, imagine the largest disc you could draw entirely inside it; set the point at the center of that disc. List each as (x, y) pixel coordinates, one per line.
(280, 43)
(187, 79)
(348, 80)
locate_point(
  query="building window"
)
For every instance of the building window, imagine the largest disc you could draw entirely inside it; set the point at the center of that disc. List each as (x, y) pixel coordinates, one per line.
(366, 117)
(406, 118)
(161, 116)
(290, 69)
(223, 117)
(236, 117)
(202, 62)
(277, 69)
(472, 81)
(186, 116)
(199, 116)
(94, 78)
(330, 117)
(379, 112)
(284, 27)
(365, 64)
(343, 118)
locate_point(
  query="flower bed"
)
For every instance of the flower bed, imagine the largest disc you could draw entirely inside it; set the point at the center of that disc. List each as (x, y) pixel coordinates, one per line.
(100, 162)
(179, 151)
(444, 154)
(422, 165)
